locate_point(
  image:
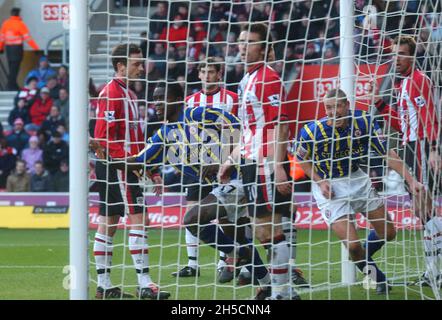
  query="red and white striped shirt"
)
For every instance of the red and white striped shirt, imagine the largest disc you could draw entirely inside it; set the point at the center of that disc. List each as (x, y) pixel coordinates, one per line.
(221, 99)
(118, 127)
(262, 105)
(415, 117)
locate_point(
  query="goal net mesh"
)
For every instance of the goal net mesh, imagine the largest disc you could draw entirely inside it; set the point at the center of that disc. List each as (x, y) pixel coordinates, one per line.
(175, 36)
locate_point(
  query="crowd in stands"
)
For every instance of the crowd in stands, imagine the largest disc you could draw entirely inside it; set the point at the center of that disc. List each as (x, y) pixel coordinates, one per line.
(304, 32)
(34, 149)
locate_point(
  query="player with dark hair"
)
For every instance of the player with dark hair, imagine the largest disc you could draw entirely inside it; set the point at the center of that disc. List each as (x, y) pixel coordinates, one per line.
(263, 153)
(191, 140)
(416, 118)
(329, 151)
(212, 95)
(118, 131)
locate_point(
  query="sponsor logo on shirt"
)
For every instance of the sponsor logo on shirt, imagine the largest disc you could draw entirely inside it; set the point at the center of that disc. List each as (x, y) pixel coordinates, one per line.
(274, 100)
(109, 115)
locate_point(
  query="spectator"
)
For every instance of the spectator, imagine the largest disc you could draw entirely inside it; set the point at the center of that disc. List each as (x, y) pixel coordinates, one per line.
(32, 154)
(40, 109)
(20, 111)
(19, 180)
(63, 77)
(42, 73)
(64, 134)
(12, 35)
(54, 152)
(158, 21)
(176, 34)
(61, 178)
(53, 87)
(1, 131)
(139, 90)
(40, 180)
(28, 92)
(52, 122)
(63, 103)
(159, 58)
(18, 139)
(7, 161)
(234, 77)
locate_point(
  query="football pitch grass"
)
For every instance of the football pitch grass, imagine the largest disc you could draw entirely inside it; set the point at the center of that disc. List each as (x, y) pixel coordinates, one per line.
(32, 266)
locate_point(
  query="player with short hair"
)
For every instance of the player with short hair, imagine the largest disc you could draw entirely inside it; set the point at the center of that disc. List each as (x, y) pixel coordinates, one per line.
(118, 131)
(416, 118)
(263, 153)
(212, 95)
(191, 140)
(329, 151)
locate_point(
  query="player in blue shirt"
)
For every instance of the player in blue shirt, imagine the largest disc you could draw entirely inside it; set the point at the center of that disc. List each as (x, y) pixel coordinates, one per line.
(192, 140)
(329, 151)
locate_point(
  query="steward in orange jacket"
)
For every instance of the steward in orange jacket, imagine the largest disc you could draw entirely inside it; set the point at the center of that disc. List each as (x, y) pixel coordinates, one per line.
(12, 35)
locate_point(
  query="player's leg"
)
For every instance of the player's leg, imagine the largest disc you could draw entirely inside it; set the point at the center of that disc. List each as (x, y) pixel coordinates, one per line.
(198, 221)
(345, 229)
(422, 203)
(383, 230)
(138, 244)
(194, 194)
(111, 209)
(290, 233)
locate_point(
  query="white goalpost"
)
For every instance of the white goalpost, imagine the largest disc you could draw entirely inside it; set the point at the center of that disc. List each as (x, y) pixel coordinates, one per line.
(78, 179)
(319, 45)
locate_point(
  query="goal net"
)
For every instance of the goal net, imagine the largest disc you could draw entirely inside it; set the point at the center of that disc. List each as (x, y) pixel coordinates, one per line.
(317, 46)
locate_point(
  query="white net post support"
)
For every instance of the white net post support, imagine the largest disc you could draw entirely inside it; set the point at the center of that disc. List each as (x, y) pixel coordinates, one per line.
(78, 186)
(347, 80)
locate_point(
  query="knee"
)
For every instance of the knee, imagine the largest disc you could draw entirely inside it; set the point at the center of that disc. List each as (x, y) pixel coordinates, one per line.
(190, 218)
(355, 251)
(391, 234)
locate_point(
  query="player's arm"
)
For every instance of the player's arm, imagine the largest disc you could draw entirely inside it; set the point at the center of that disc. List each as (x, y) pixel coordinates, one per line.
(108, 119)
(379, 145)
(153, 151)
(275, 110)
(429, 118)
(304, 156)
(390, 115)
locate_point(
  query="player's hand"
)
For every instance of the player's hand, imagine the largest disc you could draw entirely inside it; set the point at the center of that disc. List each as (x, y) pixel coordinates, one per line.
(159, 185)
(98, 149)
(224, 172)
(326, 189)
(415, 187)
(283, 186)
(209, 170)
(435, 161)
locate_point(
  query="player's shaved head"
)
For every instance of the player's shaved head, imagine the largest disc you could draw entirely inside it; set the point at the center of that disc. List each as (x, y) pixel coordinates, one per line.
(337, 94)
(172, 88)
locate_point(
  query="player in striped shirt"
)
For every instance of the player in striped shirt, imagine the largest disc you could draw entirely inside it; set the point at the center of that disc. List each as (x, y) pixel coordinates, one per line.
(263, 150)
(192, 141)
(329, 151)
(416, 118)
(212, 95)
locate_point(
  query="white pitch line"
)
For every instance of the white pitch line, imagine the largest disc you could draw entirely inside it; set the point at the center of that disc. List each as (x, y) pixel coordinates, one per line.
(31, 267)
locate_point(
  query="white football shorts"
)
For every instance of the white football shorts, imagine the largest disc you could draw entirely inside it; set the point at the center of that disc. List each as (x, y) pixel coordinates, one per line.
(232, 197)
(352, 194)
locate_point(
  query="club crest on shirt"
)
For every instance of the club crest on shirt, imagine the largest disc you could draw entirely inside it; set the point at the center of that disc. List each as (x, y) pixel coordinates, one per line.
(301, 152)
(420, 101)
(109, 115)
(358, 133)
(327, 213)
